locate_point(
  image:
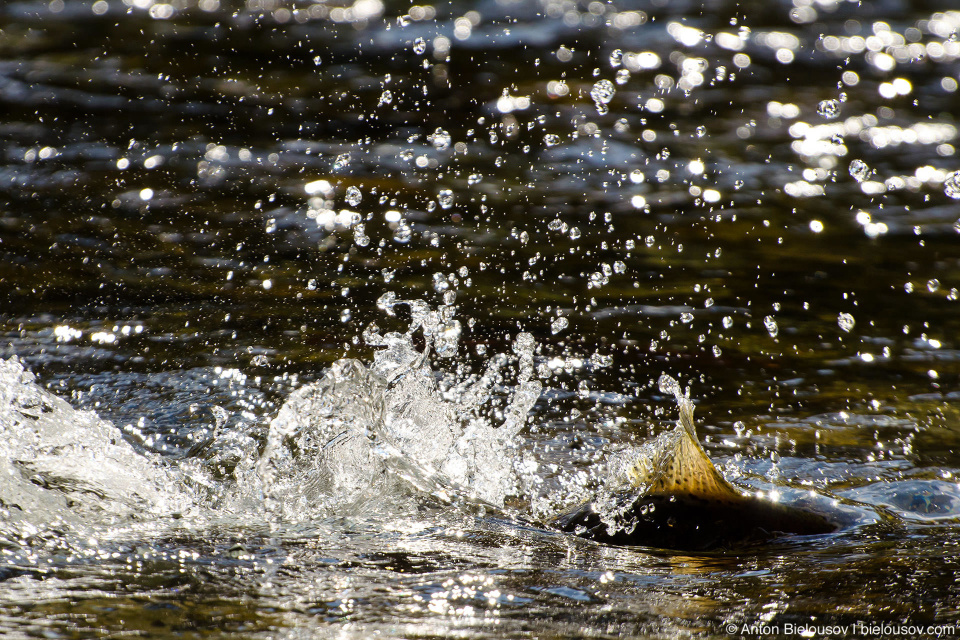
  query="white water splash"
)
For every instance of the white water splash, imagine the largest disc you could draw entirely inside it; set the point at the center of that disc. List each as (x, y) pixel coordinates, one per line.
(366, 437)
(62, 468)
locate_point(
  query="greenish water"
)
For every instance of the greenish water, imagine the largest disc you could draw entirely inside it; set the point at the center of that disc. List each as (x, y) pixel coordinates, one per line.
(202, 202)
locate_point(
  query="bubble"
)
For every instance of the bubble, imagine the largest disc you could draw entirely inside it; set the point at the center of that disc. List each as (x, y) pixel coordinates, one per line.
(829, 109)
(345, 315)
(354, 196)
(860, 170)
(933, 285)
(559, 325)
(386, 97)
(419, 46)
(445, 198)
(616, 58)
(956, 225)
(474, 178)
(686, 317)
(701, 131)
(951, 186)
(846, 321)
(602, 93)
(551, 139)
(716, 351)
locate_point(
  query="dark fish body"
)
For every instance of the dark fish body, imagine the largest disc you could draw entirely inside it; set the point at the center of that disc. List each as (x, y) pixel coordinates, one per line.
(680, 501)
(691, 522)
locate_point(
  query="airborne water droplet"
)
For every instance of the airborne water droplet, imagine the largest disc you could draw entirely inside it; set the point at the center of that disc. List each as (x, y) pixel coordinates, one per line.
(354, 196)
(402, 233)
(616, 58)
(859, 170)
(440, 139)
(341, 162)
(829, 109)
(951, 186)
(669, 384)
(559, 325)
(602, 93)
(445, 198)
(771, 324)
(846, 321)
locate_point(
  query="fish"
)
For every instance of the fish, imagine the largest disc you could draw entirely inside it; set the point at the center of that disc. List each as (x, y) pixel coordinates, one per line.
(677, 499)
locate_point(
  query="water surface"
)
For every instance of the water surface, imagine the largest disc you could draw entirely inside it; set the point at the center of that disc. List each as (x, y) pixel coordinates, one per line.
(206, 203)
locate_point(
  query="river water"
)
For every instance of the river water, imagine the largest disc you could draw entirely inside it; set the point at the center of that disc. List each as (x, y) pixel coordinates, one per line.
(314, 312)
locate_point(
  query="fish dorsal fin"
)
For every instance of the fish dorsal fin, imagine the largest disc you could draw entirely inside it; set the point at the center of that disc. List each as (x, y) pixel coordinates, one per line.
(682, 467)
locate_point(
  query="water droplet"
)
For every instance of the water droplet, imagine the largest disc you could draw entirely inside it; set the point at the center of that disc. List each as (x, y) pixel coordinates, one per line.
(387, 302)
(956, 225)
(727, 322)
(359, 235)
(669, 384)
(345, 315)
(445, 198)
(440, 139)
(559, 325)
(583, 389)
(386, 97)
(602, 93)
(932, 285)
(419, 46)
(701, 131)
(474, 178)
(771, 324)
(951, 186)
(403, 232)
(551, 139)
(829, 109)
(616, 58)
(342, 161)
(649, 241)
(716, 351)
(354, 196)
(846, 322)
(859, 170)
(440, 282)
(574, 233)
(686, 317)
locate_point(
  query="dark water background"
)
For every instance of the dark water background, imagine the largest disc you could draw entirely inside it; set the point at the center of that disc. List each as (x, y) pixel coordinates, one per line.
(201, 202)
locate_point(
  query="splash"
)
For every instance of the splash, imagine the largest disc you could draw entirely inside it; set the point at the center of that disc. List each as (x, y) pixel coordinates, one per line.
(64, 469)
(366, 438)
